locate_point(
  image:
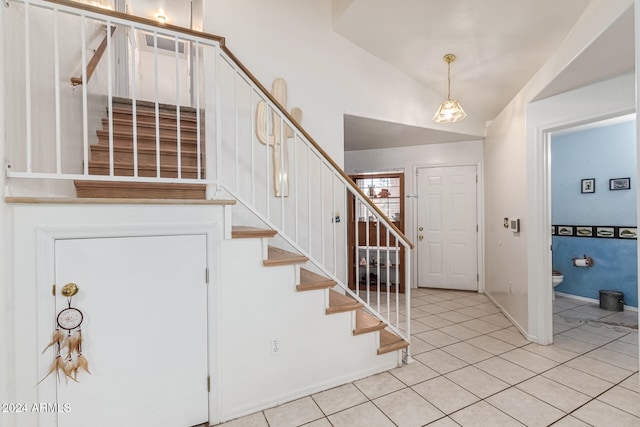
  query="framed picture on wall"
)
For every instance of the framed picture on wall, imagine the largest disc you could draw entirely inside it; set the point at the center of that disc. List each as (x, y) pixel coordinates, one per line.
(620, 184)
(588, 185)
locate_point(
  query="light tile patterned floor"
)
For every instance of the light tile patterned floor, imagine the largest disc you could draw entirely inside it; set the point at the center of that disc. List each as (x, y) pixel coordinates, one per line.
(473, 368)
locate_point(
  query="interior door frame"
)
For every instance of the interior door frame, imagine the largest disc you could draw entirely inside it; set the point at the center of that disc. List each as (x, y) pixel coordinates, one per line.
(45, 249)
(540, 297)
(479, 216)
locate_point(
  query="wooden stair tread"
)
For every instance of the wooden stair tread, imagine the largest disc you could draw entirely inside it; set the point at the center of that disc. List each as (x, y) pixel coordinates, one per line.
(310, 281)
(128, 134)
(123, 156)
(339, 303)
(129, 149)
(149, 114)
(142, 166)
(128, 103)
(149, 127)
(366, 322)
(246, 232)
(390, 342)
(139, 190)
(277, 256)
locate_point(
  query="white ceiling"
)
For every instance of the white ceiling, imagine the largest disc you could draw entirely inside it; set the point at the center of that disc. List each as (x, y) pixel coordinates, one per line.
(499, 45)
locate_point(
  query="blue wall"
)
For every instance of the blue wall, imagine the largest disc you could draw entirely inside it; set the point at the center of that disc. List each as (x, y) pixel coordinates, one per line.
(602, 153)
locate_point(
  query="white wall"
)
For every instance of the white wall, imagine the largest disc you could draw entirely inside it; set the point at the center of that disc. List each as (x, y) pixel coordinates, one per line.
(410, 158)
(318, 351)
(166, 84)
(327, 75)
(513, 165)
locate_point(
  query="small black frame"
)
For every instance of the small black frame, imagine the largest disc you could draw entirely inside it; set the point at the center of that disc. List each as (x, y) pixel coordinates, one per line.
(588, 185)
(620, 184)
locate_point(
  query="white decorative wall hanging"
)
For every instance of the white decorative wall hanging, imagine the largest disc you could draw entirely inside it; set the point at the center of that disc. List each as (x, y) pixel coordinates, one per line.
(275, 135)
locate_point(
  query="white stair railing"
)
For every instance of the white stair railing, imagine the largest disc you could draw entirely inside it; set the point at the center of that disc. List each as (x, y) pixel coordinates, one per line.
(253, 148)
(54, 119)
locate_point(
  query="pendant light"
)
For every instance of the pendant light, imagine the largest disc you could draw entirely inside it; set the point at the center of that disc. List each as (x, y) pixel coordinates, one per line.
(450, 111)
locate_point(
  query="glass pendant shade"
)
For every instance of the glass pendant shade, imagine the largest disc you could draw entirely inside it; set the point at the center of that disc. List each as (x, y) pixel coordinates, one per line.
(450, 111)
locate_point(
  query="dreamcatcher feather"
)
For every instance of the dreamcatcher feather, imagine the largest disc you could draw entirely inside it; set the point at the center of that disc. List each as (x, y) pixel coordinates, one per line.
(68, 319)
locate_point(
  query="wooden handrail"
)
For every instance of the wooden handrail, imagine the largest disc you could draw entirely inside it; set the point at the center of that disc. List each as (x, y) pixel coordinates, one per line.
(137, 19)
(323, 153)
(283, 111)
(95, 59)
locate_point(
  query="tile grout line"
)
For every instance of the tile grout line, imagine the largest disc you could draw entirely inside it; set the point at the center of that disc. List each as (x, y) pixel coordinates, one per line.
(536, 374)
(405, 384)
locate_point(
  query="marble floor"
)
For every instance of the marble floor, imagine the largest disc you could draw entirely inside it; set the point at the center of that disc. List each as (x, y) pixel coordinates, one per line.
(473, 368)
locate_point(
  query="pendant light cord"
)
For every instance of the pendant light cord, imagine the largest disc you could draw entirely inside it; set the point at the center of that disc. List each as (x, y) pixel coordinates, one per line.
(448, 80)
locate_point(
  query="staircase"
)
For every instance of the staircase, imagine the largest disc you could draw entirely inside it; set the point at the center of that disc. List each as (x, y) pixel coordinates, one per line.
(167, 129)
(261, 294)
(363, 322)
(123, 153)
(164, 134)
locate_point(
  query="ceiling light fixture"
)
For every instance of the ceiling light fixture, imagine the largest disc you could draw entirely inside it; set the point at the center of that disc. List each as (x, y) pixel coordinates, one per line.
(450, 111)
(161, 17)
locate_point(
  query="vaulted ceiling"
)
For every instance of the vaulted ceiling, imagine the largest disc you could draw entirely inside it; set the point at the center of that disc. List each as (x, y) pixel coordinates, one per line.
(499, 44)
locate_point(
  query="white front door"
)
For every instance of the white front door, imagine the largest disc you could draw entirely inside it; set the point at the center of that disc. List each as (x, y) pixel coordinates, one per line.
(447, 250)
(144, 301)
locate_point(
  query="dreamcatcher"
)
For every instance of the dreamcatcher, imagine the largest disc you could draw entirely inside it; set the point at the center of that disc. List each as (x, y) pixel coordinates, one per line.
(68, 337)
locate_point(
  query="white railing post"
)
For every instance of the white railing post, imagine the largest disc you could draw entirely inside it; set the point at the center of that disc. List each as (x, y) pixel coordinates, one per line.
(253, 150)
(407, 292)
(85, 105)
(56, 87)
(178, 122)
(333, 221)
(27, 85)
(134, 111)
(156, 91)
(296, 218)
(110, 98)
(284, 164)
(218, 115)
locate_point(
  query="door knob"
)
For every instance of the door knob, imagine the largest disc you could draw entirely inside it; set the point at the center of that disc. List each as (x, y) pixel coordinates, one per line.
(421, 228)
(69, 290)
(420, 237)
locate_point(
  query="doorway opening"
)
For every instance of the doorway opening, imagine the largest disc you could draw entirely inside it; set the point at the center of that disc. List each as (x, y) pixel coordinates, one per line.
(593, 216)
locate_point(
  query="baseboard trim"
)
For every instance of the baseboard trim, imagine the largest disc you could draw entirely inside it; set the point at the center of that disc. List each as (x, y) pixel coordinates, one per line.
(592, 300)
(392, 363)
(511, 319)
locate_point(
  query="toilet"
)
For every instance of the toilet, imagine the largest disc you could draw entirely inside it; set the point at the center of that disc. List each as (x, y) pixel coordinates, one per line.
(556, 279)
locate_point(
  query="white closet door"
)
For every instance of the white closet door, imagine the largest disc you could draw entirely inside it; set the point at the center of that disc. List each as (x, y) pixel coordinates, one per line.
(144, 301)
